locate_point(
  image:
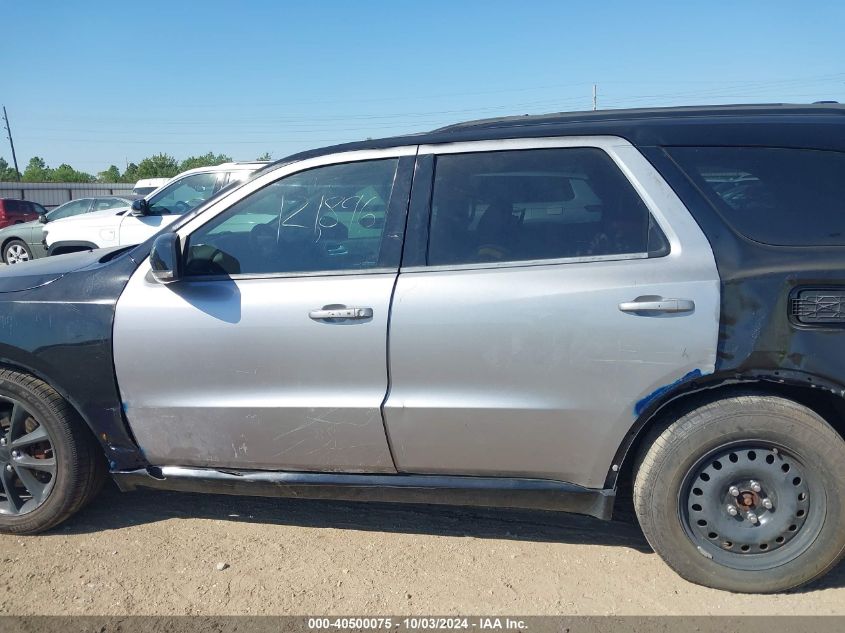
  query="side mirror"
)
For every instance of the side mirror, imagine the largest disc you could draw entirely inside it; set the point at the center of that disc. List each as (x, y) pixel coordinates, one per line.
(42, 217)
(140, 207)
(166, 258)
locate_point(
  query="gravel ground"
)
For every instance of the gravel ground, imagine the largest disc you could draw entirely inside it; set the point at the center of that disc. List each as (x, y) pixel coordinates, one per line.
(160, 553)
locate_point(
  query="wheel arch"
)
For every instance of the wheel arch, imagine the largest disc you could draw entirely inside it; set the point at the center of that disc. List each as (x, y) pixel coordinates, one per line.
(24, 362)
(824, 397)
(70, 246)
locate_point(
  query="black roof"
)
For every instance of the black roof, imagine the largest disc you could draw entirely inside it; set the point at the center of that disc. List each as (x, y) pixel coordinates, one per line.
(778, 125)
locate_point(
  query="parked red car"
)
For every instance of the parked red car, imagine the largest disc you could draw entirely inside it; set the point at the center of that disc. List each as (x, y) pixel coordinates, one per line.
(16, 211)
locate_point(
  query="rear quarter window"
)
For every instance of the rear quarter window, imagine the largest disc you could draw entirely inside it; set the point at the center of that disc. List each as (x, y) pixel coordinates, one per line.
(777, 196)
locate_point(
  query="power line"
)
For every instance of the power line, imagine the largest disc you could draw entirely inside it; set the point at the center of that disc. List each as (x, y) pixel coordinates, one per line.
(578, 85)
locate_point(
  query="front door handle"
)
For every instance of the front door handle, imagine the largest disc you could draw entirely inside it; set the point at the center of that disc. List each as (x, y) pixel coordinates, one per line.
(658, 305)
(341, 313)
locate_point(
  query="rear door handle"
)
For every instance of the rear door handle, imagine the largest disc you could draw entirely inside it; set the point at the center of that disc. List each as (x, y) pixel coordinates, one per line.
(661, 305)
(341, 313)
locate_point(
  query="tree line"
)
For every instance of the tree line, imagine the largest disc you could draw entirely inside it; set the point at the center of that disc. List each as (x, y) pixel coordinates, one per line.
(156, 166)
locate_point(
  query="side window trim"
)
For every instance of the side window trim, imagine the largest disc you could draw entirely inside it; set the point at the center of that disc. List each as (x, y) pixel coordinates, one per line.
(420, 211)
(393, 236)
(221, 181)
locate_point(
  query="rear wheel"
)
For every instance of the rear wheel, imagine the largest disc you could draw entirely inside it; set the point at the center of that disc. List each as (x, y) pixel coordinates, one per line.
(50, 465)
(745, 494)
(16, 251)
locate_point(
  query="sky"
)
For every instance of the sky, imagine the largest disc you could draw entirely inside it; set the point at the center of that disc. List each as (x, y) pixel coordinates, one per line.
(98, 83)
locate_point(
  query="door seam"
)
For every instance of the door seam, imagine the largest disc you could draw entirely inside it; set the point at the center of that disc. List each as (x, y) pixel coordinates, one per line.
(390, 320)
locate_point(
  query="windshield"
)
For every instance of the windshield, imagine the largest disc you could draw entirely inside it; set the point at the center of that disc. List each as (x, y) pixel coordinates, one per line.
(183, 195)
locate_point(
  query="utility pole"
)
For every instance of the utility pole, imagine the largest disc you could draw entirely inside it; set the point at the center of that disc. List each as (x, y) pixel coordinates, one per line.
(11, 143)
(595, 97)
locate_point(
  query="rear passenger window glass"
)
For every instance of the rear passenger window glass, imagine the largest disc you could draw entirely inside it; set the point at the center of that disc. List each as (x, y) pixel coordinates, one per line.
(323, 219)
(785, 197)
(535, 204)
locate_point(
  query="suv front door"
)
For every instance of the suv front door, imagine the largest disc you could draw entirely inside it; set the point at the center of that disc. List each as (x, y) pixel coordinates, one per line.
(524, 339)
(271, 352)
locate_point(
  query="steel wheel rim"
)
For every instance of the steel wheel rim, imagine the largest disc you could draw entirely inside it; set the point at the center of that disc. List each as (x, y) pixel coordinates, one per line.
(27, 459)
(752, 505)
(16, 254)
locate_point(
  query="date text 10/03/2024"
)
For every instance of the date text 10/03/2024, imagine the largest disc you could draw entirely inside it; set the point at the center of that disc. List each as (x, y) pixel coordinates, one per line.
(418, 623)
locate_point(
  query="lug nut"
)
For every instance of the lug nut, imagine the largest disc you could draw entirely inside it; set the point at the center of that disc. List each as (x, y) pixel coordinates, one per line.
(732, 511)
(2, 441)
(16, 454)
(752, 517)
(734, 491)
(767, 503)
(755, 486)
(9, 467)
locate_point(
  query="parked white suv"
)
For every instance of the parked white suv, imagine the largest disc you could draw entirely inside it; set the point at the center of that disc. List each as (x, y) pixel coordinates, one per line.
(133, 225)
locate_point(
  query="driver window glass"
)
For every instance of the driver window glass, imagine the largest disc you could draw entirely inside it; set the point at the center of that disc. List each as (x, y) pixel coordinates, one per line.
(184, 194)
(323, 219)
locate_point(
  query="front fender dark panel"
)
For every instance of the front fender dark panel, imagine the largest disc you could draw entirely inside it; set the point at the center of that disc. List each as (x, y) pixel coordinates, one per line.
(62, 333)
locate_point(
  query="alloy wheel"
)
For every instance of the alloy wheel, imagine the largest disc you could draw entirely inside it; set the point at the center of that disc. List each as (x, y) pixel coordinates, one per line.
(27, 459)
(16, 254)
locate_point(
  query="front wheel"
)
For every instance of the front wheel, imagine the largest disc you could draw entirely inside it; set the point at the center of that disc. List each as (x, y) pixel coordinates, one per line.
(16, 251)
(745, 494)
(50, 465)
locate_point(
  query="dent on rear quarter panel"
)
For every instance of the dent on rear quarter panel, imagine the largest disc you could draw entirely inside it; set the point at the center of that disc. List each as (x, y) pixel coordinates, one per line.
(658, 393)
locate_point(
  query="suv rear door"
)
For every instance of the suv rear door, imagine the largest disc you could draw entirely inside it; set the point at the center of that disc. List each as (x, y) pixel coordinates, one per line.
(547, 288)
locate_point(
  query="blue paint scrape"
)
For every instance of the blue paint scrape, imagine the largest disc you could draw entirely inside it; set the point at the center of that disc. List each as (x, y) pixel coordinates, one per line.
(654, 395)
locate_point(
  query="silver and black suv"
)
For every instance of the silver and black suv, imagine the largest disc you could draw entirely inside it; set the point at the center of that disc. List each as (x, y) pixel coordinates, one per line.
(533, 312)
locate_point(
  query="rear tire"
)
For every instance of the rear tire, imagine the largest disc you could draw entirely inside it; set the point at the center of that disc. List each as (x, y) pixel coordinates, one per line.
(16, 251)
(745, 494)
(50, 464)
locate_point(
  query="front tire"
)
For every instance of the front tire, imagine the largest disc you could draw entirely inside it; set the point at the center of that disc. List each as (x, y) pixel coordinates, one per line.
(745, 494)
(16, 251)
(50, 465)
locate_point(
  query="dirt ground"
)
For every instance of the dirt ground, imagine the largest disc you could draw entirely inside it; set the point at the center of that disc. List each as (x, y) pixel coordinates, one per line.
(159, 553)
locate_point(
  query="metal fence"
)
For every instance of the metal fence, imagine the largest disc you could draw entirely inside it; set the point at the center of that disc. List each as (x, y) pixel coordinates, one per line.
(52, 194)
